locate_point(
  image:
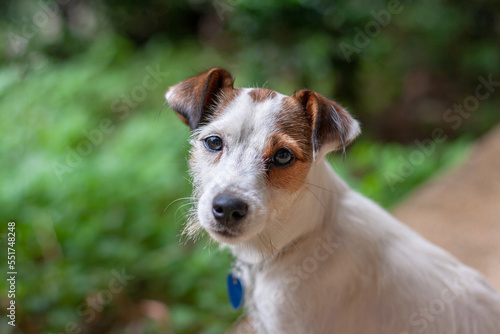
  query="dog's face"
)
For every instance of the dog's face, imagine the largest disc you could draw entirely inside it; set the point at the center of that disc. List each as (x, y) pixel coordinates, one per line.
(252, 151)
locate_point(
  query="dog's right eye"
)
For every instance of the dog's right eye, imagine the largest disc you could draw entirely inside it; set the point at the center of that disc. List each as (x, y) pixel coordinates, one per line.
(213, 143)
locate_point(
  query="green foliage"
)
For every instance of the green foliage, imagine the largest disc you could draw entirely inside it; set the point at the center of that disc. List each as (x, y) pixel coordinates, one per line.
(388, 173)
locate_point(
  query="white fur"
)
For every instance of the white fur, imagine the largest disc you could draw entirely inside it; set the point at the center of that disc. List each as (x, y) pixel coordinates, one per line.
(326, 259)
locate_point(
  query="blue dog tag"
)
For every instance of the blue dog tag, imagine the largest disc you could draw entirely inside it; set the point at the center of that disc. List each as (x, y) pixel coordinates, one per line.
(235, 291)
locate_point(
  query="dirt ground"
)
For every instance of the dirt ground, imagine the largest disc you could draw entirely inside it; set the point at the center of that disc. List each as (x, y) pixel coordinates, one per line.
(460, 211)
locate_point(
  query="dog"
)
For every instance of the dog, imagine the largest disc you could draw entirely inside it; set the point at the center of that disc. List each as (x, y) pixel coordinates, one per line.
(312, 255)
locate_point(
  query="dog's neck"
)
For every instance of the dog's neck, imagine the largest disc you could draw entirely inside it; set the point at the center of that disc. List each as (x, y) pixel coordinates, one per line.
(307, 214)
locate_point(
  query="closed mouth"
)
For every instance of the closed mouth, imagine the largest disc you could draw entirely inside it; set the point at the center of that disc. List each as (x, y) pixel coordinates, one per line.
(225, 232)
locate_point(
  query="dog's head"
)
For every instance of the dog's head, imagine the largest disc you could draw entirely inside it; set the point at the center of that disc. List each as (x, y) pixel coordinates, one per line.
(252, 151)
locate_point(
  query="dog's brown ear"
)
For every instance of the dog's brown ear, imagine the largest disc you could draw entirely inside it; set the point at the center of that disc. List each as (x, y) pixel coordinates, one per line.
(193, 99)
(333, 127)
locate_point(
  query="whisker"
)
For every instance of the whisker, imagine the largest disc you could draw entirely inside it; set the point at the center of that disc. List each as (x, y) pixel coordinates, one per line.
(177, 200)
(273, 249)
(161, 110)
(266, 246)
(188, 213)
(322, 188)
(317, 198)
(262, 242)
(292, 243)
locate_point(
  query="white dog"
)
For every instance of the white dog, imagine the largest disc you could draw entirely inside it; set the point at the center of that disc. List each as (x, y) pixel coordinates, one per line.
(313, 255)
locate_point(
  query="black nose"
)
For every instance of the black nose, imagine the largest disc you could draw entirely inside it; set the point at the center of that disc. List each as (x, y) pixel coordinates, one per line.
(228, 209)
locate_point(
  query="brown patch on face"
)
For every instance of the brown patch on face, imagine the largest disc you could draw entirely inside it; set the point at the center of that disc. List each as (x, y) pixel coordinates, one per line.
(293, 131)
(290, 178)
(262, 94)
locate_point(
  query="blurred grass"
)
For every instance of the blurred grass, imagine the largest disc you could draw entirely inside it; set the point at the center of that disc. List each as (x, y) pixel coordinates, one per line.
(109, 211)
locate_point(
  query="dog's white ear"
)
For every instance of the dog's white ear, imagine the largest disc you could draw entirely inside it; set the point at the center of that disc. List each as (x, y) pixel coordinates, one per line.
(333, 127)
(193, 99)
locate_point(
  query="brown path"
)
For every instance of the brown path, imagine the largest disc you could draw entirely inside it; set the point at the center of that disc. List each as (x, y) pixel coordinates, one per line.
(461, 211)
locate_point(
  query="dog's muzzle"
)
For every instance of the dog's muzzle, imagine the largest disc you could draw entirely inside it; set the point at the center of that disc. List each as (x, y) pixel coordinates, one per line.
(228, 209)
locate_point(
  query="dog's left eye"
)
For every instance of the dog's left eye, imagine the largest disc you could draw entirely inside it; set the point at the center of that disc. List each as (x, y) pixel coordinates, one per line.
(283, 157)
(213, 143)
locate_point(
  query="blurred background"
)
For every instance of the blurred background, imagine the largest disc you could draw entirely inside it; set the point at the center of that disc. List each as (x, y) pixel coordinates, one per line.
(93, 163)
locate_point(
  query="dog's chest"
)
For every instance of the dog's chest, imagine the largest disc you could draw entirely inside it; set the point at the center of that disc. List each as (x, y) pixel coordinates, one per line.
(270, 304)
(280, 301)
(290, 298)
